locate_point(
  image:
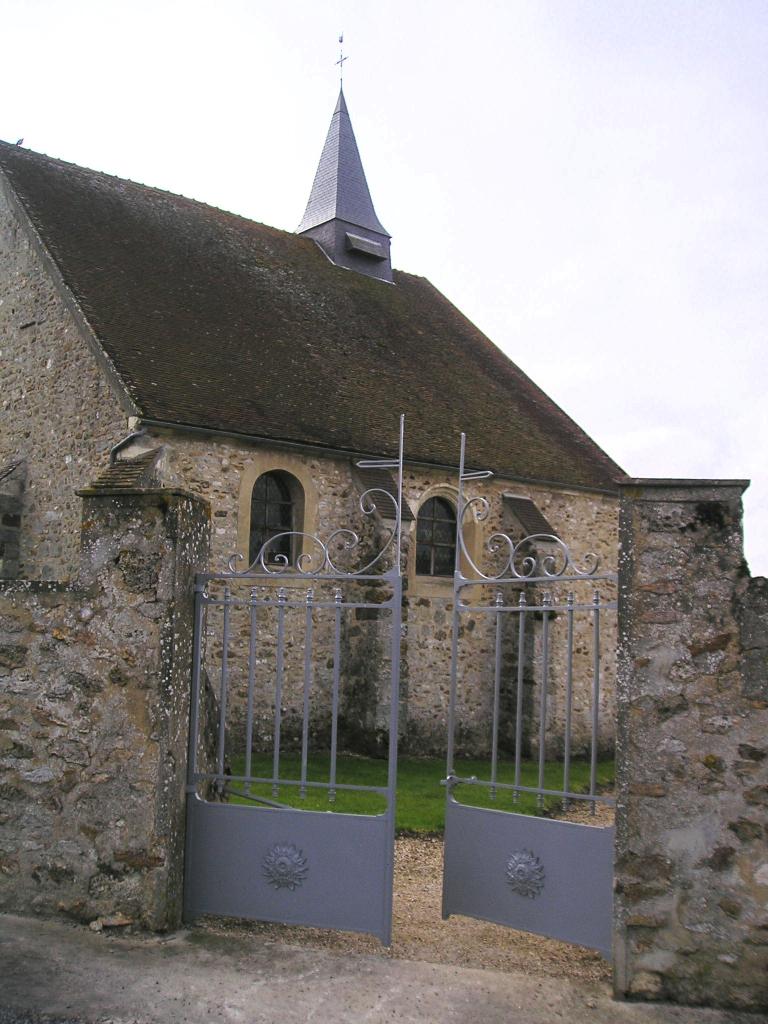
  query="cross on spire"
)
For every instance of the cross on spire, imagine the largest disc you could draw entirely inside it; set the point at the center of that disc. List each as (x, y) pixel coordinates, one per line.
(341, 59)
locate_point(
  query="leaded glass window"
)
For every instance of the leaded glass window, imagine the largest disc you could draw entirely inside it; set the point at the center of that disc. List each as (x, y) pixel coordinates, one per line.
(271, 515)
(436, 538)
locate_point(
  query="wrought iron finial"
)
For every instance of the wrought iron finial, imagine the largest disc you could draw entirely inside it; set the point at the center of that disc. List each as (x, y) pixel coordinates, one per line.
(341, 59)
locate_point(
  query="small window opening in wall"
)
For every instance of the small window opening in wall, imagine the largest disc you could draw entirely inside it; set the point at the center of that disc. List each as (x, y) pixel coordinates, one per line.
(272, 514)
(436, 538)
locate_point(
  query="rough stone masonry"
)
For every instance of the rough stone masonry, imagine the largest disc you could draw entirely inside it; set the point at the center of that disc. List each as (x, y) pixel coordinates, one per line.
(692, 753)
(94, 698)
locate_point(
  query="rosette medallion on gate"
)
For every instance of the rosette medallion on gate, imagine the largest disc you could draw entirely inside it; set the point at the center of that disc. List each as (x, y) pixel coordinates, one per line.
(285, 866)
(525, 874)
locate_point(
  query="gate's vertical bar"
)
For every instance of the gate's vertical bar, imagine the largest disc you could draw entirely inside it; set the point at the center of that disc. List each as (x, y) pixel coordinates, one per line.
(568, 702)
(337, 597)
(595, 701)
(546, 602)
(223, 690)
(496, 695)
(455, 616)
(307, 686)
(454, 681)
(395, 639)
(251, 682)
(399, 523)
(519, 695)
(394, 710)
(281, 599)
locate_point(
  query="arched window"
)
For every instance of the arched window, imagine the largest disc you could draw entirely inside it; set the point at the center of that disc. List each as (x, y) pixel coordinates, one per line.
(436, 538)
(273, 512)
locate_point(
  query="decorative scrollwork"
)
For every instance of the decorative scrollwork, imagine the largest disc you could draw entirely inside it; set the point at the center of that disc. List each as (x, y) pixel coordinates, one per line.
(535, 557)
(285, 866)
(479, 506)
(368, 505)
(313, 557)
(316, 557)
(524, 560)
(308, 562)
(525, 874)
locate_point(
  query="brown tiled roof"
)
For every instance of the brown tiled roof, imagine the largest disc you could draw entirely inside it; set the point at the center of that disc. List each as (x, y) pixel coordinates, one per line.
(215, 321)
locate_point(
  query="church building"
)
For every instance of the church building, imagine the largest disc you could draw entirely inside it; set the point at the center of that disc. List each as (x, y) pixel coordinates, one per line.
(150, 340)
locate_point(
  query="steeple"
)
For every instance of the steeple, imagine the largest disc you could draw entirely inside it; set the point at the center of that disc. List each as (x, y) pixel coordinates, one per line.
(340, 214)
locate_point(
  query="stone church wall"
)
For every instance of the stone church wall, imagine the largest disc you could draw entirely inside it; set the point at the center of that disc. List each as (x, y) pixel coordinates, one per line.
(60, 417)
(58, 412)
(223, 472)
(588, 523)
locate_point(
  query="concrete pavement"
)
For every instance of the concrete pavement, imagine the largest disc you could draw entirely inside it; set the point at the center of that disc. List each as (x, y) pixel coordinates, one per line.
(67, 972)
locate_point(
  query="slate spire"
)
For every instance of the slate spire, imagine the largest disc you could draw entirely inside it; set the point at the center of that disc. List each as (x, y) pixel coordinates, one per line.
(340, 214)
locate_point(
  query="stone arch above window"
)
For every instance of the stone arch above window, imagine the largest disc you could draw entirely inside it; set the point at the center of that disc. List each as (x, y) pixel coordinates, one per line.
(422, 585)
(277, 504)
(436, 538)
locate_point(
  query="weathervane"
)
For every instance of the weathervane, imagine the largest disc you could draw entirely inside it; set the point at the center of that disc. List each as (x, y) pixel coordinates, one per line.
(341, 59)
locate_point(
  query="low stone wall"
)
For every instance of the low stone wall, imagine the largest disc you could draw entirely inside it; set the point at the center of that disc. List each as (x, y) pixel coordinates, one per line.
(94, 692)
(692, 757)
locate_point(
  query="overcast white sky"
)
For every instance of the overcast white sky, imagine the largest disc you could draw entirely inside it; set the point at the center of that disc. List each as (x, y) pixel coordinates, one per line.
(587, 181)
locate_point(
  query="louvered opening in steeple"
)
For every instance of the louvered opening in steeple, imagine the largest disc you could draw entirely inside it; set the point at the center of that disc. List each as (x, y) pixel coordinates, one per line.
(340, 216)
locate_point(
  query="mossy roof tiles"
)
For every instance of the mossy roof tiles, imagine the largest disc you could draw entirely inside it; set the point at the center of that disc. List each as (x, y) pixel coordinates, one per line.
(215, 321)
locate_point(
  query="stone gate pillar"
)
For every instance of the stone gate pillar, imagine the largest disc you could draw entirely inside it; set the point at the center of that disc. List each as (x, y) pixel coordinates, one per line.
(94, 698)
(691, 917)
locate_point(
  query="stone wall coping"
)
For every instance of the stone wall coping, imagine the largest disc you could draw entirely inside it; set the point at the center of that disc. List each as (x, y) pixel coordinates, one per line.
(658, 483)
(163, 493)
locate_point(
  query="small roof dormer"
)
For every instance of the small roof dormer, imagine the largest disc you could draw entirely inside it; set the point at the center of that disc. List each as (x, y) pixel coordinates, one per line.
(340, 216)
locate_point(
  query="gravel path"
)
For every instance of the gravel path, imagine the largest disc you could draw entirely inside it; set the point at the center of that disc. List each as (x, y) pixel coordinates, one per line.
(419, 933)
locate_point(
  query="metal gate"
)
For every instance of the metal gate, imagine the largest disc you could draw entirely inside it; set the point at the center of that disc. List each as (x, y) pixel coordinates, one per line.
(275, 635)
(542, 617)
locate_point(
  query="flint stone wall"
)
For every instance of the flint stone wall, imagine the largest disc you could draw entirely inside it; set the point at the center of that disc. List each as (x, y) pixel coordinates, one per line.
(59, 413)
(692, 751)
(223, 472)
(94, 693)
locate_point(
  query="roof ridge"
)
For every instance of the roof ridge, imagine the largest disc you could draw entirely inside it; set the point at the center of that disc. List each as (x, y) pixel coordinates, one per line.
(139, 184)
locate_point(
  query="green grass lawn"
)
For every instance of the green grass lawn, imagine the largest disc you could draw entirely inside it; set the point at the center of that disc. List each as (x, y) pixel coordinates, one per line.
(420, 797)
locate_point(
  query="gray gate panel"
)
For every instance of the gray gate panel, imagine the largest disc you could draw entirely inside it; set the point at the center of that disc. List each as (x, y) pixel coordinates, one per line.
(290, 866)
(554, 878)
